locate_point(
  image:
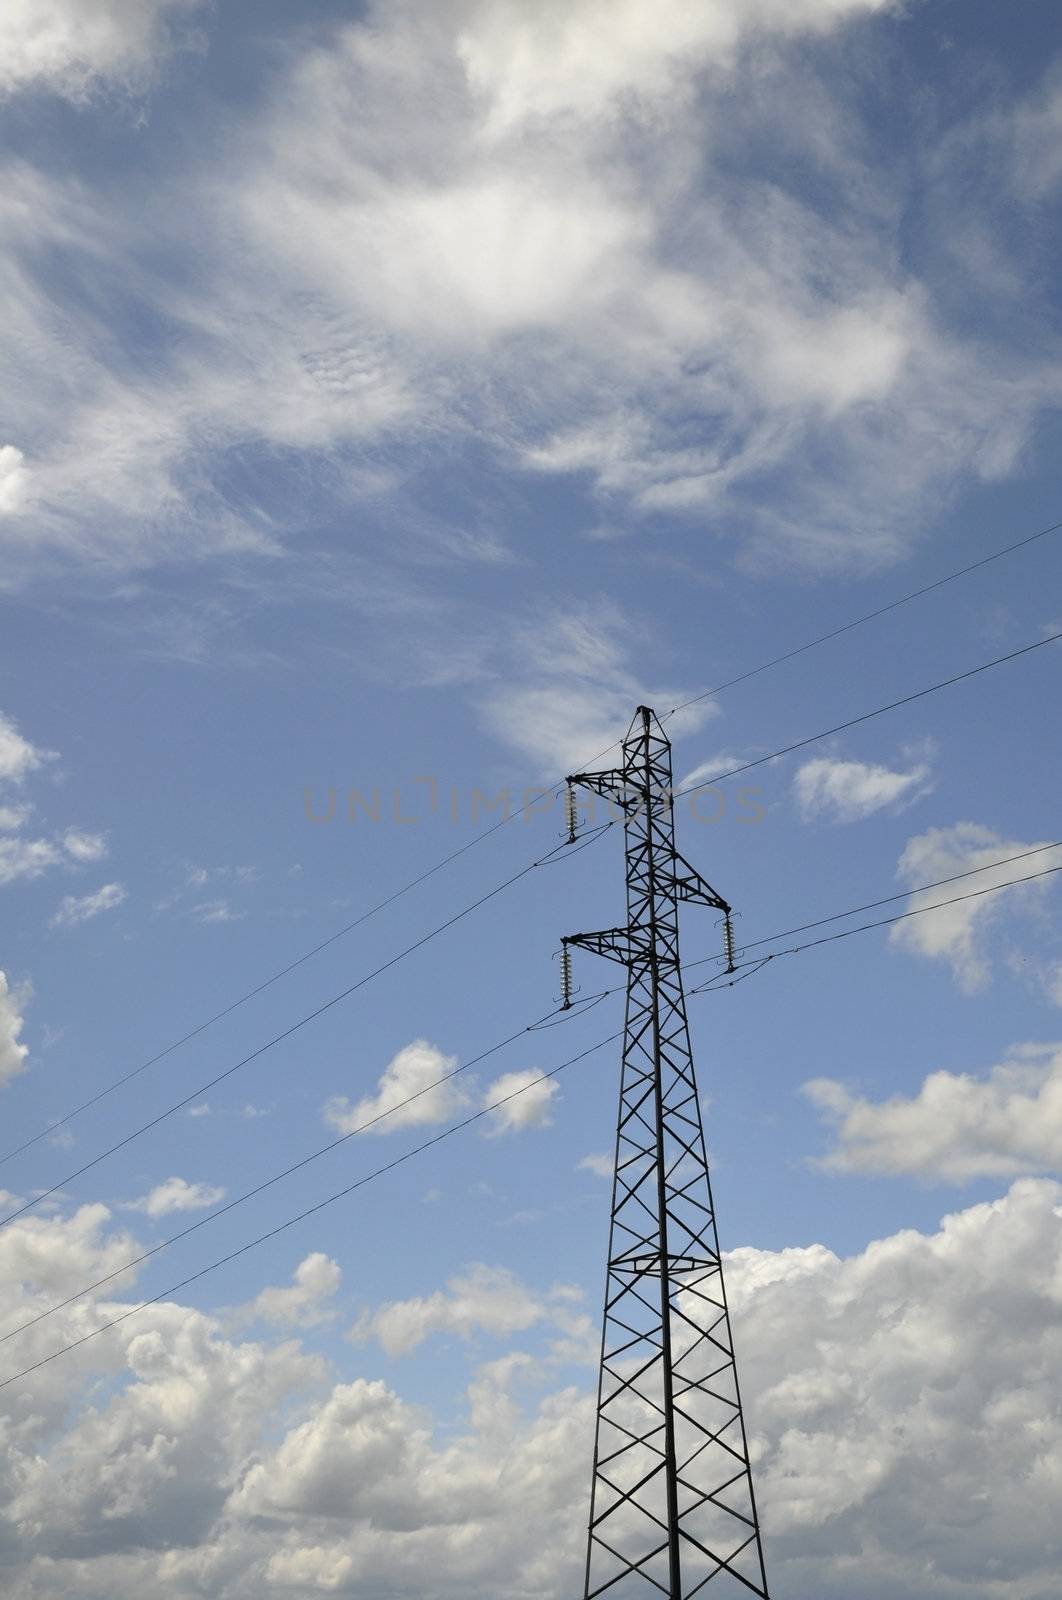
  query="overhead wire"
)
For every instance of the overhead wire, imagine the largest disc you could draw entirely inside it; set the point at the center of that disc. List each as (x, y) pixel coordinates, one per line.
(719, 981)
(295, 1166)
(867, 716)
(872, 905)
(320, 1205)
(869, 616)
(563, 847)
(503, 821)
(278, 1038)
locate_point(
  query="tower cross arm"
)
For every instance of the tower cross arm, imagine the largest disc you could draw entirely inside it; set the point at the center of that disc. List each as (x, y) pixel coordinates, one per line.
(689, 885)
(612, 785)
(615, 943)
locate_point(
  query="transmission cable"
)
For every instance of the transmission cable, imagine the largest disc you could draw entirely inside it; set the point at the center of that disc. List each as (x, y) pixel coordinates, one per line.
(315, 1155)
(502, 822)
(799, 744)
(278, 1038)
(870, 616)
(320, 1205)
(745, 969)
(872, 905)
(853, 722)
(867, 927)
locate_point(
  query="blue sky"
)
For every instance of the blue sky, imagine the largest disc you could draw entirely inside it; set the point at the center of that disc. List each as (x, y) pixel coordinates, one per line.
(405, 393)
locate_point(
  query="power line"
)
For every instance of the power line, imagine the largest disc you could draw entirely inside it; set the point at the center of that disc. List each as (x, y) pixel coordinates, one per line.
(320, 1205)
(870, 616)
(867, 927)
(711, 985)
(893, 705)
(561, 1017)
(250, 995)
(799, 744)
(278, 1038)
(305, 1161)
(454, 855)
(871, 905)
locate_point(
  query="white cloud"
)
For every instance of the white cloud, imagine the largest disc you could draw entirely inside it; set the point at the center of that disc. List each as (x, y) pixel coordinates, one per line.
(12, 817)
(84, 846)
(532, 1106)
(886, 1392)
(957, 1127)
(847, 791)
(71, 46)
(13, 1052)
(412, 1071)
(216, 911)
(957, 933)
(484, 1299)
(73, 908)
(25, 858)
(1034, 136)
(306, 1303)
(568, 691)
(555, 60)
(14, 479)
(177, 1194)
(21, 856)
(601, 1166)
(18, 758)
(449, 208)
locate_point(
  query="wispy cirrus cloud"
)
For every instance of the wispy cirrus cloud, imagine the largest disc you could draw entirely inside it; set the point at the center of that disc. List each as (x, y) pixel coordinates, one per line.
(76, 47)
(446, 213)
(74, 908)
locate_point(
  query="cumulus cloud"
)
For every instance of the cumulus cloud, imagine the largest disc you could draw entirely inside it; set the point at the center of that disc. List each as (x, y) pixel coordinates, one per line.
(484, 1299)
(847, 791)
(415, 1070)
(957, 934)
(957, 1127)
(887, 1392)
(14, 480)
(177, 1194)
(306, 1302)
(71, 46)
(18, 757)
(13, 1052)
(530, 1105)
(73, 909)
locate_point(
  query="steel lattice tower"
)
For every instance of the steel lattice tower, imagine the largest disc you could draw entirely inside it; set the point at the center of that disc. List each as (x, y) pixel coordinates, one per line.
(672, 1504)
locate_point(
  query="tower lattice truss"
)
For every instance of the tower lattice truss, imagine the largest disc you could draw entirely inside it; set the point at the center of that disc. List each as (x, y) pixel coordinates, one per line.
(673, 1510)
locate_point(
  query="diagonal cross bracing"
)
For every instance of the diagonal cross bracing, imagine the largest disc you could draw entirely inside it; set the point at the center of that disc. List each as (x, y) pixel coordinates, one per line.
(671, 1451)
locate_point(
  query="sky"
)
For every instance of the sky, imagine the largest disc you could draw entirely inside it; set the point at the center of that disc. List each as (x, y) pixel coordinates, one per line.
(394, 397)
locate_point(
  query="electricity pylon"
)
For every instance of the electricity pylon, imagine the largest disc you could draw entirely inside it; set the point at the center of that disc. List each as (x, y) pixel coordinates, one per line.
(672, 1505)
